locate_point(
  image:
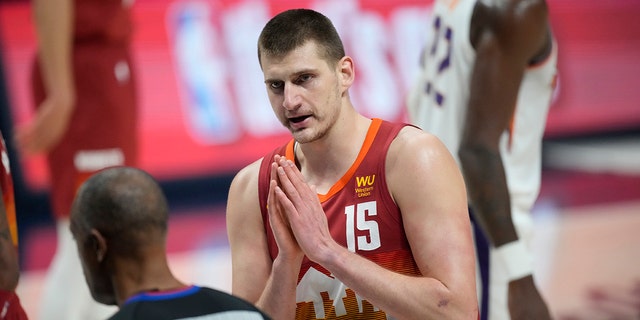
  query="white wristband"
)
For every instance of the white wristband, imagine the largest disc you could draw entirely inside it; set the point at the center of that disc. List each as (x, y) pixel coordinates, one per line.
(516, 259)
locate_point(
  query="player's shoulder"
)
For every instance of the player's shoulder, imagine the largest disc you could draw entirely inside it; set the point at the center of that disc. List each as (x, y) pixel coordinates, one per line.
(412, 136)
(509, 16)
(252, 171)
(416, 156)
(413, 144)
(249, 170)
(520, 26)
(506, 9)
(246, 177)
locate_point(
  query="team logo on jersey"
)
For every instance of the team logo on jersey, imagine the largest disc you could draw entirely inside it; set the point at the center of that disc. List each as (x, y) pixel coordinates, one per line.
(320, 296)
(364, 185)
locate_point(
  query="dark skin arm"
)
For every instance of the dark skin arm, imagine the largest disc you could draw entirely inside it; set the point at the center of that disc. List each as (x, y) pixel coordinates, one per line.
(508, 36)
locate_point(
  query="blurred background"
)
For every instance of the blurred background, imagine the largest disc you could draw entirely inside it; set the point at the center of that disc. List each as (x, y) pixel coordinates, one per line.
(588, 213)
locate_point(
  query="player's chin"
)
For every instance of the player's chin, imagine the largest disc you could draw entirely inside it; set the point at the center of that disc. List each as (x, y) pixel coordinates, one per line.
(305, 135)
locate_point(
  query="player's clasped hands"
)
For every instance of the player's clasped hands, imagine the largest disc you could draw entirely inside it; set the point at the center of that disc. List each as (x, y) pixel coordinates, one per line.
(294, 203)
(288, 249)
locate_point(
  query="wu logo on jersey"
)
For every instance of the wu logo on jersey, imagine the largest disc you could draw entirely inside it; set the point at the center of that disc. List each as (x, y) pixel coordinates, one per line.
(364, 185)
(365, 181)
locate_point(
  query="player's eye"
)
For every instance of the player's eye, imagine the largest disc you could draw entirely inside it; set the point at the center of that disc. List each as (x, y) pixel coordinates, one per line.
(303, 78)
(276, 86)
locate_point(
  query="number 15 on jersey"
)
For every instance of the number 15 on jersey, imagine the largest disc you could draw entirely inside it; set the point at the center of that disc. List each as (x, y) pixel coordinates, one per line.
(357, 220)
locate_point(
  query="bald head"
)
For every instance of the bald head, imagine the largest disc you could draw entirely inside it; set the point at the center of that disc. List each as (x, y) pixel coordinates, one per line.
(124, 204)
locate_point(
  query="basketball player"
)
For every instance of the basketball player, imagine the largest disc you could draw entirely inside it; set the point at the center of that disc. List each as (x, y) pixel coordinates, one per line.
(488, 73)
(86, 113)
(10, 307)
(354, 218)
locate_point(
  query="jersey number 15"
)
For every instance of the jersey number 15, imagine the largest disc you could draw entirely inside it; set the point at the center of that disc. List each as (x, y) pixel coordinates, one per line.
(357, 220)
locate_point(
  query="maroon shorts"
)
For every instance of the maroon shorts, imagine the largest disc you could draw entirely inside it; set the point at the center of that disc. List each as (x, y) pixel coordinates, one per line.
(10, 307)
(103, 128)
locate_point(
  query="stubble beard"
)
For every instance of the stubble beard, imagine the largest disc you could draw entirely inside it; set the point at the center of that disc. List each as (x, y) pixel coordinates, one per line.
(322, 125)
(318, 131)
(309, 134)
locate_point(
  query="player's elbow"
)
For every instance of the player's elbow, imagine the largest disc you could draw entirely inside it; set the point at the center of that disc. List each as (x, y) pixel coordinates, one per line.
(456, 307)
(477, 155)
(453, 301)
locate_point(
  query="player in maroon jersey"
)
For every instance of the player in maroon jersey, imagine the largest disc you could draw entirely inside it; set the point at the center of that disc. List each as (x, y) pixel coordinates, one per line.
(355, 218)
(10, 307)
(85, 120)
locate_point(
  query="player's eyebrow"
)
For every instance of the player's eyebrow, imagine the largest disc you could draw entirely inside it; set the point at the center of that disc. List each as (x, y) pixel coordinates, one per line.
(292, 76)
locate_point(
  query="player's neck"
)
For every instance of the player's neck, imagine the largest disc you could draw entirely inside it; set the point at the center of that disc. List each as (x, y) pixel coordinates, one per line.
(325, 161)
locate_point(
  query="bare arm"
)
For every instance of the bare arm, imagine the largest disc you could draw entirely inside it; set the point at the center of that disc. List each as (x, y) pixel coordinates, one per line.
(271, 285)
(516, 34)
(54, 23)
(504, 48)
(251, 263)
(428, 187)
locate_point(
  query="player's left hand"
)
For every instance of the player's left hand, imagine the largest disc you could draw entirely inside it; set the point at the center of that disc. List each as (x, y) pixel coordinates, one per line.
(304, 211)
(288, 249)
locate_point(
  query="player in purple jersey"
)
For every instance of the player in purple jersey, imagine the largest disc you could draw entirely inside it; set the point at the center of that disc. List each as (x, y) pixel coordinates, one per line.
(486, 83)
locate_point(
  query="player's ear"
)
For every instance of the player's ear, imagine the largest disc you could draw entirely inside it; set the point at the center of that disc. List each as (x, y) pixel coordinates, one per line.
(99, 245)
(346, 72)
